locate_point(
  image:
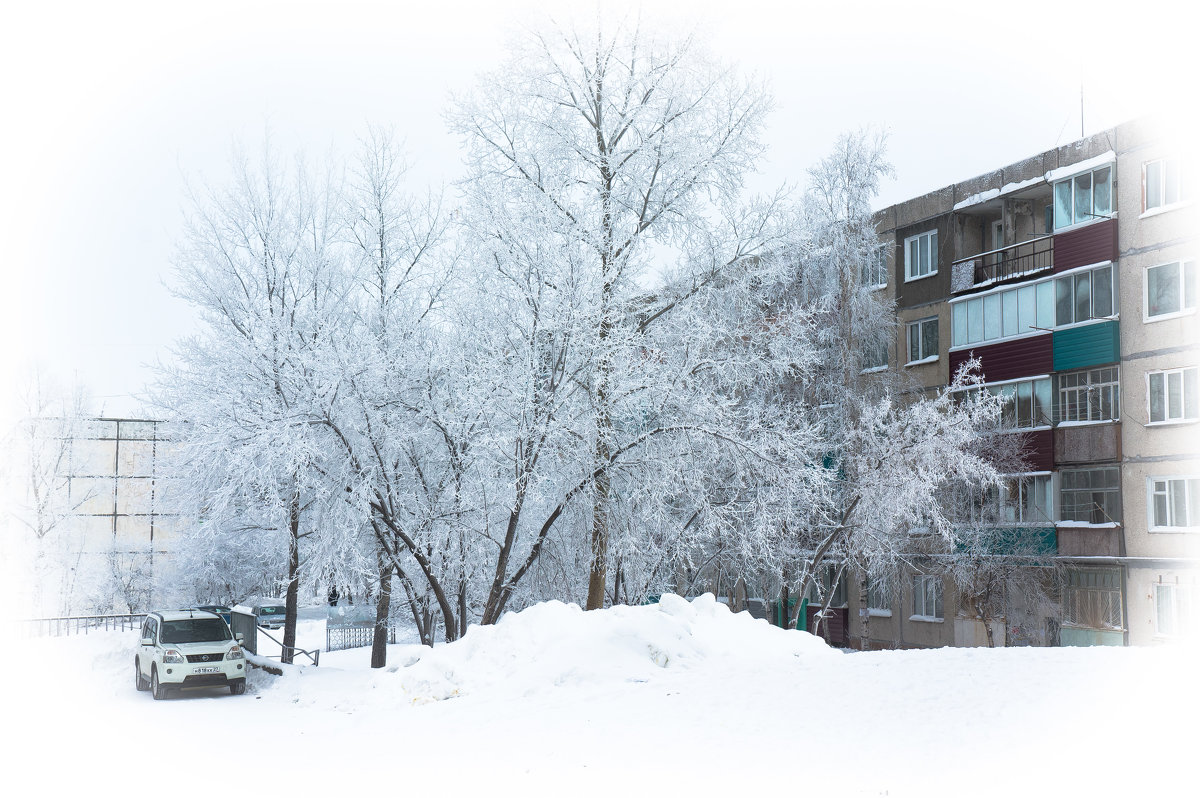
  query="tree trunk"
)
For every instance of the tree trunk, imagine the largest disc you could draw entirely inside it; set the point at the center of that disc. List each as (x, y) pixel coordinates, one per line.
(598, 572)
(864, 612)
(293, 580)
(383, 607)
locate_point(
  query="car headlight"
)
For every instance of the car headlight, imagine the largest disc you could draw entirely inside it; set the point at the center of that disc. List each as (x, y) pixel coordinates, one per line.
(235, 653)
(174, 657)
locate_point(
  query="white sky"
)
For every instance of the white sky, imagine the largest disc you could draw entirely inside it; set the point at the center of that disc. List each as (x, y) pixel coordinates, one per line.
(107, 107)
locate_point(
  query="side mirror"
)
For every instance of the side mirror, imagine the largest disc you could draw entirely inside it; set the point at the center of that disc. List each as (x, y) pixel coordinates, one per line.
(239, 637)
(146, 641)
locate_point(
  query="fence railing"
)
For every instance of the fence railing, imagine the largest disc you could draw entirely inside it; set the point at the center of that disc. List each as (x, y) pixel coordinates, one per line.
(1011, 261)
(79, 624)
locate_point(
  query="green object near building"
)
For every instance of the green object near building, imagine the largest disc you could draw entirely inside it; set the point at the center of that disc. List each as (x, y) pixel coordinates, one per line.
(1086, 346)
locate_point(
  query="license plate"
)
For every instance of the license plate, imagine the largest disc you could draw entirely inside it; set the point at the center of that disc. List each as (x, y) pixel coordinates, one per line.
(207, 669)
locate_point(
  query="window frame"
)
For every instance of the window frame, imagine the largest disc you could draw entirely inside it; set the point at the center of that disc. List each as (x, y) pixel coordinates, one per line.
(919, 324)
(1162, 206)
(960, 319)
(876, 267)
(939, 597)
(1191, 501)
(880, 593)
(1088, 387)
(1181, 288)
(1180, 593)
(1166, 399)
(909, 275)
(1111, 167)
(1072, 593)
(1061, 505)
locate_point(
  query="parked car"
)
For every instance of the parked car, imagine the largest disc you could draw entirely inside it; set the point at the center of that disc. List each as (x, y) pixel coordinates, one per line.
(219, 609)
(270, 613)
(182, 649)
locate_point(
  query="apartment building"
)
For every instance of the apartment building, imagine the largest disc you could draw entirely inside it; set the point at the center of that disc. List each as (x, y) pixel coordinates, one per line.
(1072, 277)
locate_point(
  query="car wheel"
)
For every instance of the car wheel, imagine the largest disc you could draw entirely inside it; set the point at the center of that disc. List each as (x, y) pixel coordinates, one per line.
(237, 687)
(139, 681)
(156, 688)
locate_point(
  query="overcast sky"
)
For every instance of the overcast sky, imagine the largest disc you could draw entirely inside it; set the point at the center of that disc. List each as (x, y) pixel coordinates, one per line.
(110, 107)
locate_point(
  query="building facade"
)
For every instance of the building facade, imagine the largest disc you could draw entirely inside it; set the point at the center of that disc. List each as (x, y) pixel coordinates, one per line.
(1071, 276)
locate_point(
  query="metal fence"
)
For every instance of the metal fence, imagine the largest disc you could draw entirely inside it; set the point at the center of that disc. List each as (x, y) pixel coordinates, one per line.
(80, 624)
(339, 638)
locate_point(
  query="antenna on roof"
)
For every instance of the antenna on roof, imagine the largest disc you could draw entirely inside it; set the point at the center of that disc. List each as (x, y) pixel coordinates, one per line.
(1081, 134)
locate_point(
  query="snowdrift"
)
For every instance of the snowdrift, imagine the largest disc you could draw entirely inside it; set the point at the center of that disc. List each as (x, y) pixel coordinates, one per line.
(552, 645)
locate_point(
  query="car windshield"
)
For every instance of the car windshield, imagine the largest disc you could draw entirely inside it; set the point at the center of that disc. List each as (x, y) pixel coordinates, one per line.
(194, 630)
(270, 610)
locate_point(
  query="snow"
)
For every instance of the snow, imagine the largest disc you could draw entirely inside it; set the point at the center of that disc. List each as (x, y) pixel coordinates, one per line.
(661, 699)
(1082, 166)
(992, 193)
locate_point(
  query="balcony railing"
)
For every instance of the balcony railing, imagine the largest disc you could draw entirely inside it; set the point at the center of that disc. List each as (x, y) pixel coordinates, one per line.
(1002, 264)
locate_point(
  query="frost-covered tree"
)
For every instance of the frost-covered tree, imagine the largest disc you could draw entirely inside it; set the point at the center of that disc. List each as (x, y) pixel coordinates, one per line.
(44, 500)
(257, 262)
(597, 160)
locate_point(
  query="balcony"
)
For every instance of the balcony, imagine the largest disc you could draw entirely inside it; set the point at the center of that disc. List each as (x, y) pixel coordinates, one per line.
(1000, 265)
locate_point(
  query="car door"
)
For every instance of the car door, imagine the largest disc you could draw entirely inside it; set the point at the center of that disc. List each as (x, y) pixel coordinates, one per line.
(149, 630)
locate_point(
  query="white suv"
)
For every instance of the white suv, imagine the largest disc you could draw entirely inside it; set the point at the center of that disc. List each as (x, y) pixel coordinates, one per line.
(188, 648)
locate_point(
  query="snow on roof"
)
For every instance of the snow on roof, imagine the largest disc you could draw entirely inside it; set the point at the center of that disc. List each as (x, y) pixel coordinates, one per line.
(1081, 166)
(179, 615)
(992, 193)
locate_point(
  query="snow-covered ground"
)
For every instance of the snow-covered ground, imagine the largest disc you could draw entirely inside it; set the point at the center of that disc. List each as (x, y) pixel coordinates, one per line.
(674, 699)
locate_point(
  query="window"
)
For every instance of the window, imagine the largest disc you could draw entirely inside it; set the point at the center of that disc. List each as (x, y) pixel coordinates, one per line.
(1174, 395)
(1093, 598)
(927, 597)
(1083, 296)
(1026, 500)
(1093, 395)
(875, 356)
(1083, 198)
(874, 269)
(1170, 288)
(920, 255)
(1091, 496)
(1071, 299)
(835, 593)
(1174, 606)
(1163, 183)
(1026, 403)
(923, 340)
(879, 596)
(1174, 503)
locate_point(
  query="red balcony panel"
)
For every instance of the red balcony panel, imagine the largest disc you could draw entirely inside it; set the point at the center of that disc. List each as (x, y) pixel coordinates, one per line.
(1084, 246)
(1008, 360)
(1039, 449)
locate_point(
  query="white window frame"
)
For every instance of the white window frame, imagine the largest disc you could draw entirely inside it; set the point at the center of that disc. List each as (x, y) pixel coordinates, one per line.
(1190, 485)
(876, 268)
(960, 308)
(1092, 216)
(924, 356)
(921, 612)
(1091, 385)
(879, 592)
(909, 275)
(1176, 594)
(1184, 308)
(1160, 202)
(1167, 418)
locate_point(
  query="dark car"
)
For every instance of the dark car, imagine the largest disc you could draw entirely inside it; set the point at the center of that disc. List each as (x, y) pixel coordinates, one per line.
(218, 609)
